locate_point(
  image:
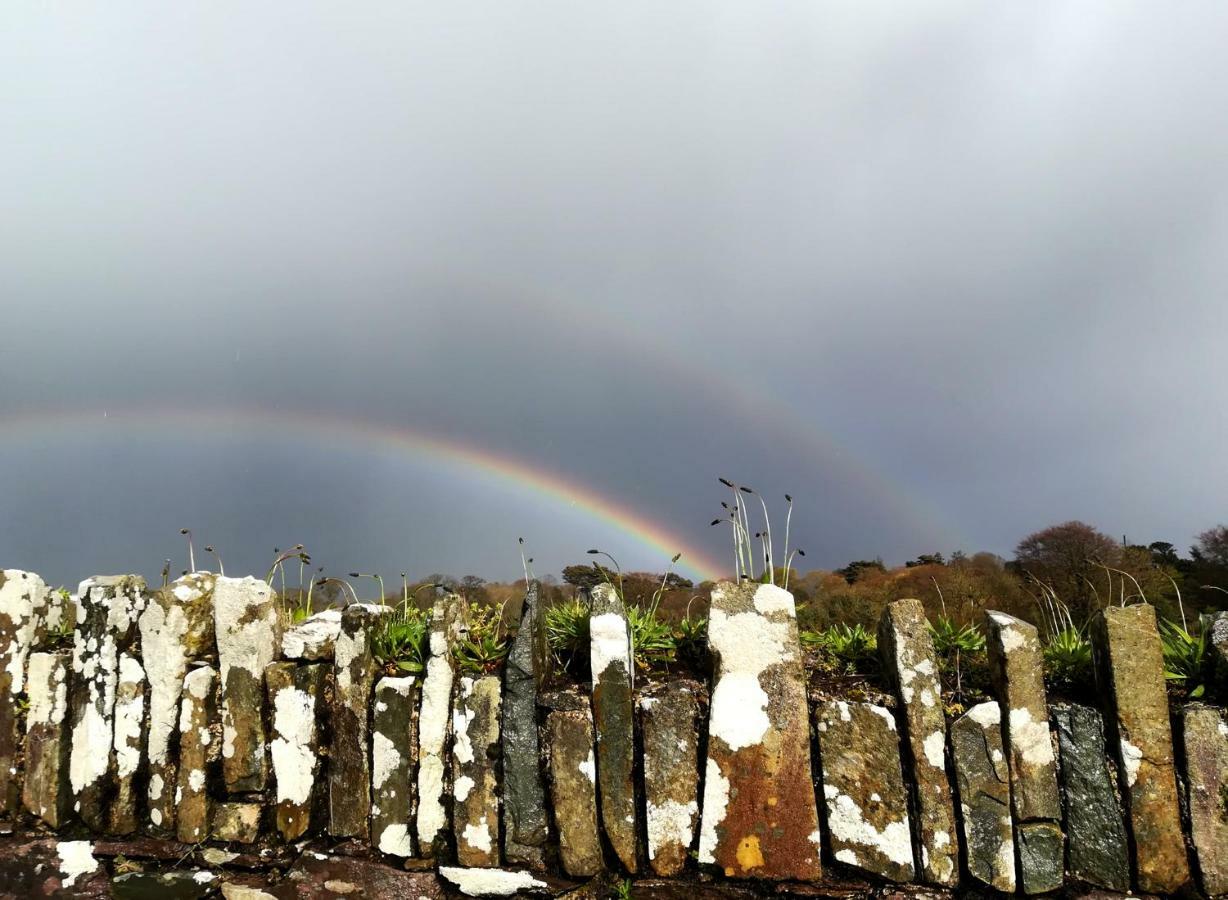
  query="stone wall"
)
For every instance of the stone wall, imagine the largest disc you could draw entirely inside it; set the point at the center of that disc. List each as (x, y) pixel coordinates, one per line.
(184, 742)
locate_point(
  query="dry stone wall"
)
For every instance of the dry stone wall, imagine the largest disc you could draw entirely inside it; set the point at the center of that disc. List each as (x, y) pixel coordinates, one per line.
(180, 742)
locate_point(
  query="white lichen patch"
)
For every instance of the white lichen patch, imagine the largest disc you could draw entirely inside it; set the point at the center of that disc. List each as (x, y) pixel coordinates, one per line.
(670, 823)
(1131, 760)
(165, 656)
(432, 734)
(394, 840)
(771, 599)
(589, 767)
(933, 747)
(85, 764)
(129, 716)
(460, 790)
(490, 882)
(385, 759)
(1030, 738)
(313, 638)
(24, 600)
(47, 690)
(610, 642)
(847, 825)
(294, 759)
(76, 859)
(986, 714)
(748, 643)
(477, 835)
(716, 801)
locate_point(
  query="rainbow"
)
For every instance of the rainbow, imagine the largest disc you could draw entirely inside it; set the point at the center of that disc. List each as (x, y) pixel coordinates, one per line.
(398, 441)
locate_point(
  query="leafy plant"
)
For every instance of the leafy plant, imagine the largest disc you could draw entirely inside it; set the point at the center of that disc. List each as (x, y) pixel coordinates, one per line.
(485, 645)
(691, 639)
(652, 638)
(567, 631)
(951, 640)
(1185, 654)
(849, 649)
(400, 640)
(1068, 657)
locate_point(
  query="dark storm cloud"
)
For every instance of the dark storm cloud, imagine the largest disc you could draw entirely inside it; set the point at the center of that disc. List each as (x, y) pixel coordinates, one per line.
(978, 250)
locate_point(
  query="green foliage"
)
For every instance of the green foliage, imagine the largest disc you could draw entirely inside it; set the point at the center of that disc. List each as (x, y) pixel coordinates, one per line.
(567, 632)
(691, 640)
(1068, 658)
(652, 638)
(485, 645)
(851, 650)
(951, 639)
(400, 640)
(1185, 655)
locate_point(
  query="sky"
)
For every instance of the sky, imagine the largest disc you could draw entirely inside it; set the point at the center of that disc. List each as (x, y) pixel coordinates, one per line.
(407, 282)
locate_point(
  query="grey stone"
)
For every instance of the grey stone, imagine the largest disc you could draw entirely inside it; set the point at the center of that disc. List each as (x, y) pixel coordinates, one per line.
(248, 634)
(1218, 640)
(863, 788)
(1097, 851)
(107, 611)
(524, 793)
(1017, 668)
(394, 751)
(911, 667)
(179, 885)
(669, 715)
(1130, 666)
(349, 764)
(759, 817)
(1205, 739)
(129, 743)
(198, 711)
(294, 696)
(613, 716)
(45, 792)
(236, 822)
(314, 638)
(447, 617)
(983, 778)
(176, 628)
(573, 791)
(24, 599)
(475, 756)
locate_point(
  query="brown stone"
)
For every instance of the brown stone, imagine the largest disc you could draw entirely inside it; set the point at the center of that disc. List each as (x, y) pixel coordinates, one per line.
(23, 607)
(176, 628)
(759, 817)
(394, 750)
(50, 868)
(129, 743)
(1131, 669)
(669, 715)
(475, 756)
(237, 822)
(911, 666)
(863, 788)
(294, 697)
(349, 764)
(318, 876)
(45, 792)
(198, 711)
(1205, 739)
(573, 791)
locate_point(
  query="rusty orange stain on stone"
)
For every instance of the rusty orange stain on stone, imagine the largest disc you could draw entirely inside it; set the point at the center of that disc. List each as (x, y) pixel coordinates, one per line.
(749, 856)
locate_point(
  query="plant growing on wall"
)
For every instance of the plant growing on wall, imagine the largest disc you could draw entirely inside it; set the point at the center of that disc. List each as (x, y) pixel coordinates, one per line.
(399, 643)
(486, 643)
(1185, 655)
(750, 549)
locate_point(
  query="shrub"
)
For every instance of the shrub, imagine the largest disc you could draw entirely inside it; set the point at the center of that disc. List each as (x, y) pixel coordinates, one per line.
(1068, 658)
(849, 649)
(1185, 655)
(567, 633)
(951, 640)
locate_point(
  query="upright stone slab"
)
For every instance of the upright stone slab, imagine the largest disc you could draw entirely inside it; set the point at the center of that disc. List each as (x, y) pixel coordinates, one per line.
(45, 792)
(237, 823)
(1205, 739)
(295, 694)
(910, 664)
(1130, 666)
(669, 717)
(1218, 640)
(349, 764)
(1096, 848)
(198, 710)
(983, 778)
(176, 628)
(314, 638)
(614, 718)
(863, 788)
(1017, 669)
(433, 721)
(129, 742)
(23, 607)
(573, 791)
(248, 635)
(394, 750)
(107, 611)
(524, 793)
(759, 816)
(475, 756)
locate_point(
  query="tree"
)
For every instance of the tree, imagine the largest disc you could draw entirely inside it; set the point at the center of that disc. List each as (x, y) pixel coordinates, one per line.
(853, 572)
(585, 576)
(1212, 547)
(926, 559)
(1066, 557)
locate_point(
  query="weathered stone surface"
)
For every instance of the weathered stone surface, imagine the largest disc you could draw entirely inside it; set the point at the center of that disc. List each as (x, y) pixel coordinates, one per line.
(912, 668)
(573, 790)
(198, 709)
(1218, 641)
(50, 868)
(45, 792)
(983, 777)
(863, 788)
(394, 748)
(1130, 665)
(524, 792)
(1205, 740)
(759, 814)
(176, 628)
(23, 608)
(349, 765)
(475, 756)
(1096, 852)
(494, 882)
(237, 822)
(248, 634)
(313, 638)
(1017, 669)
(614, 719)
(433, 720)
(669, 715)
(107, 611)
(129, 742)
(294, 696)
(177, 885)
(316, 876)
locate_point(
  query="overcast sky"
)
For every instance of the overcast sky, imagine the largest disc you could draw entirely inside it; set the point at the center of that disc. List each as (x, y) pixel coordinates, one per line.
(946, 273)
